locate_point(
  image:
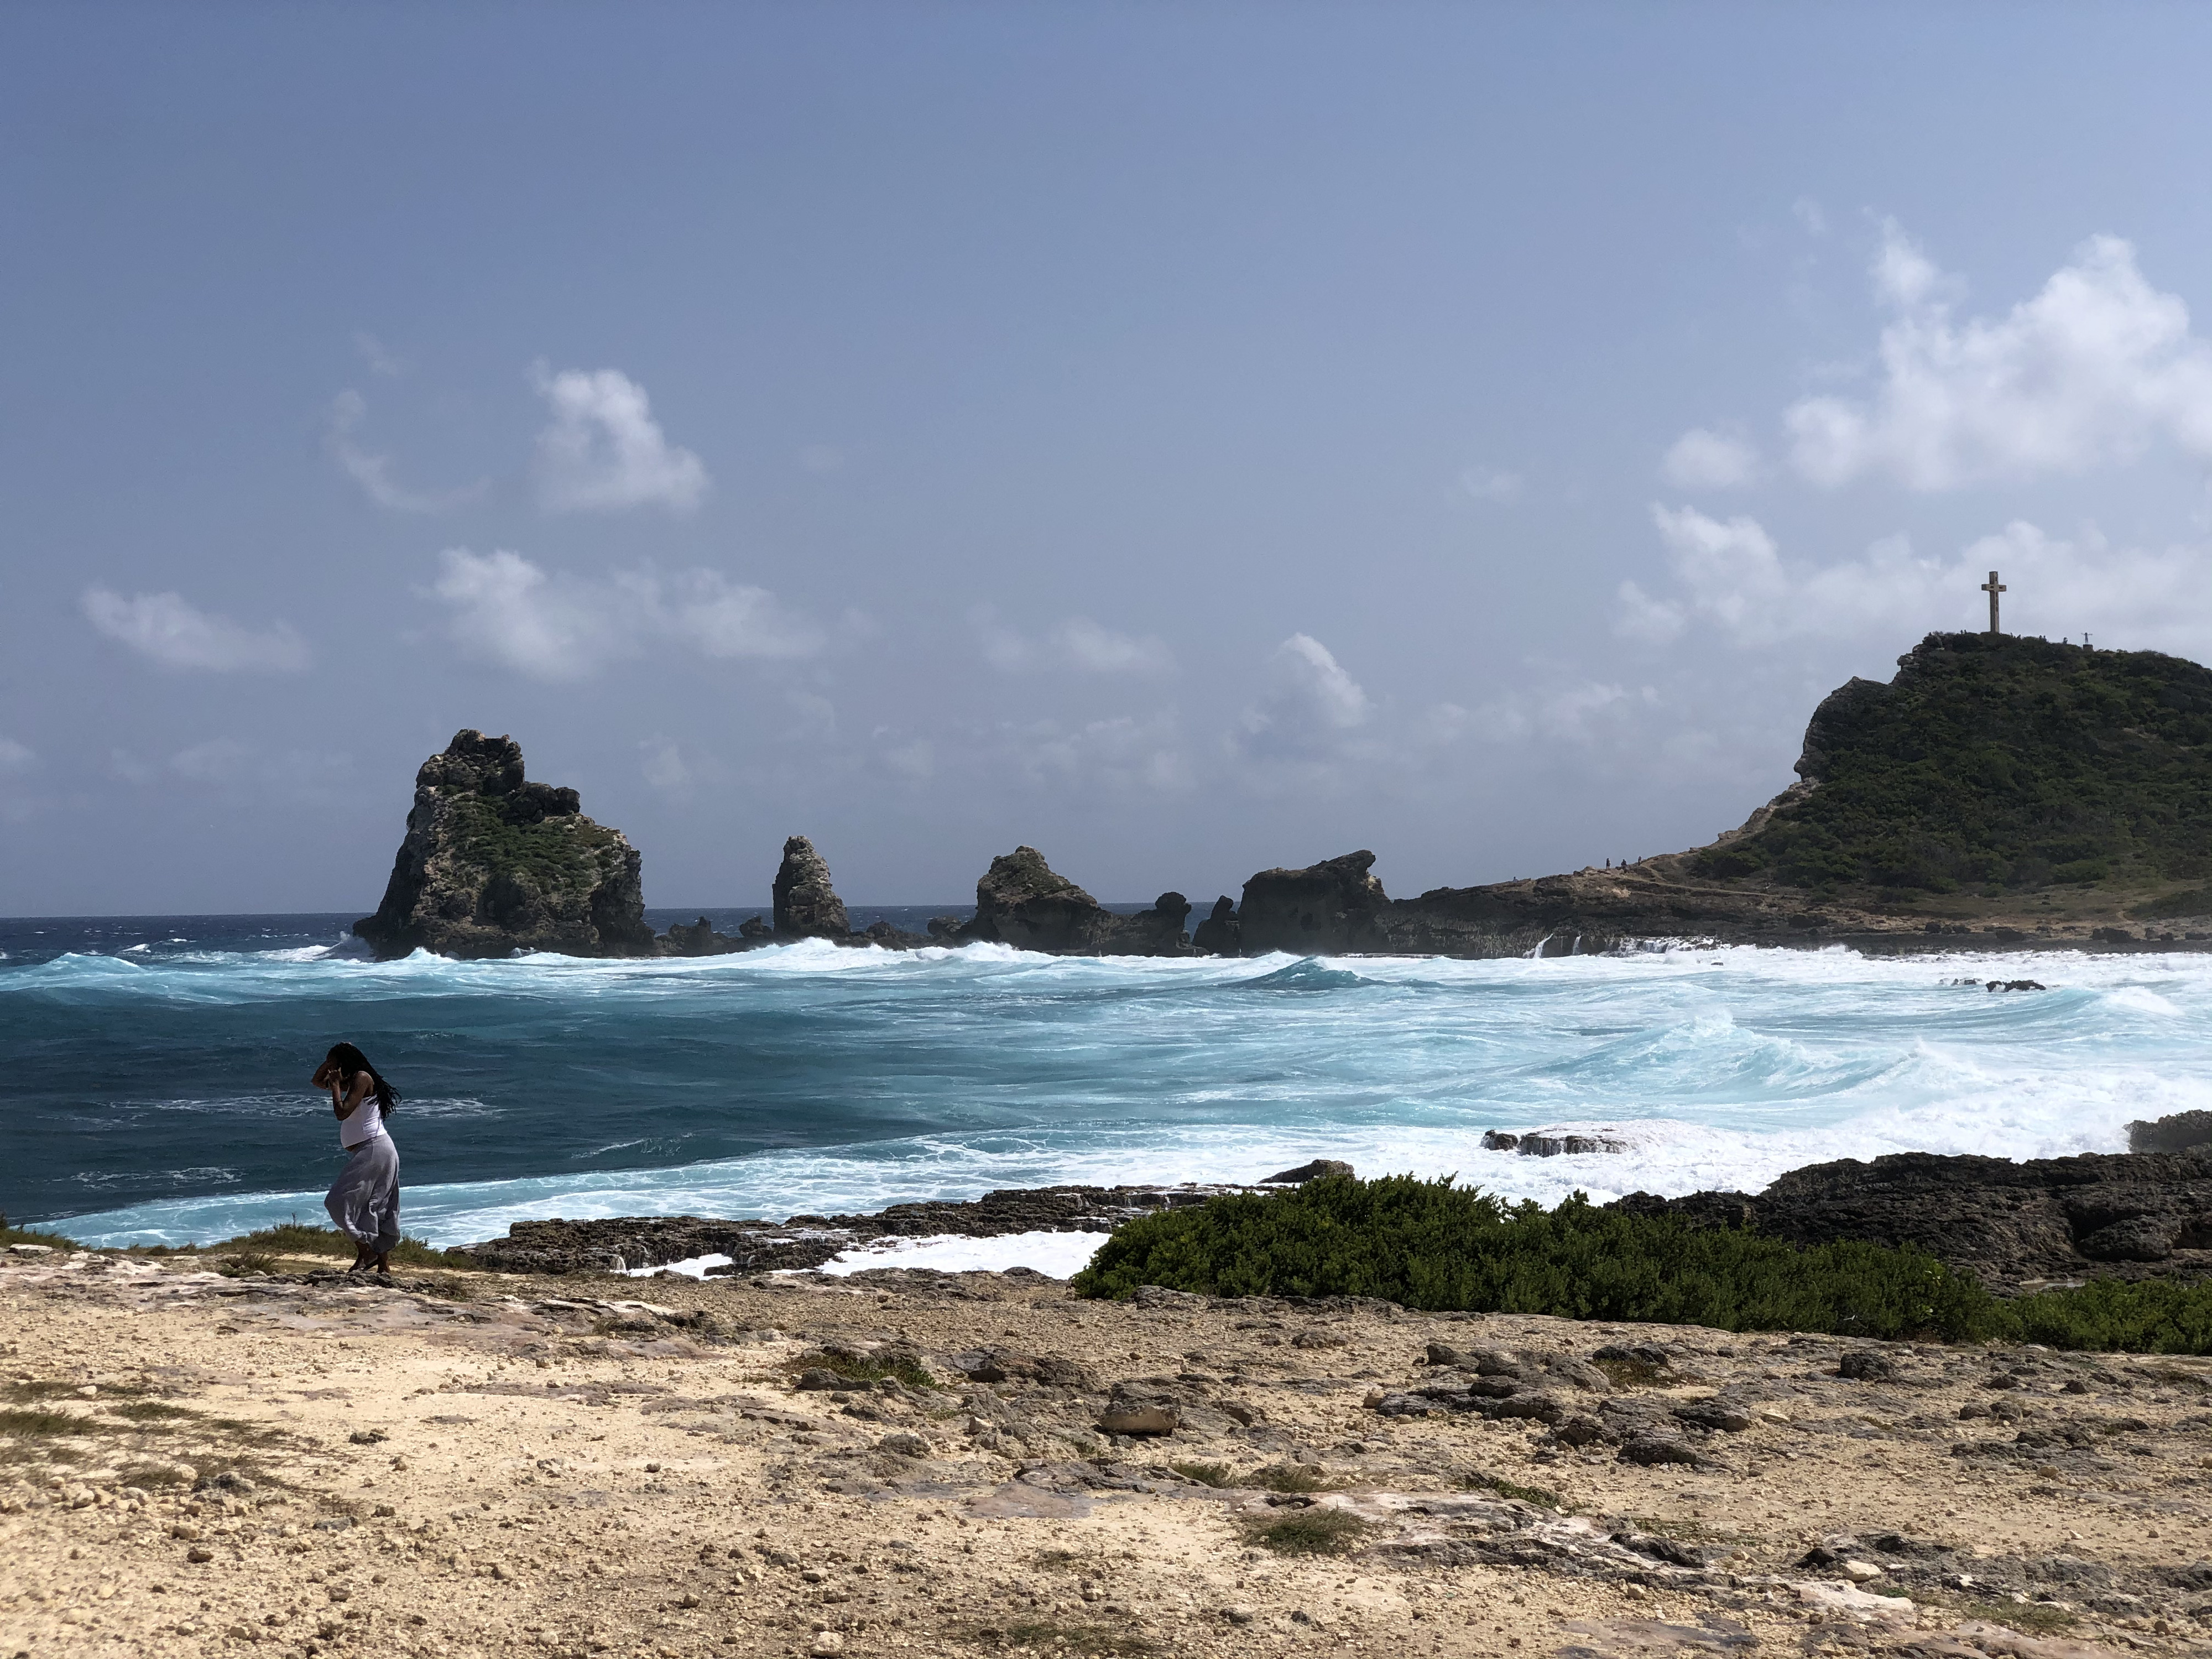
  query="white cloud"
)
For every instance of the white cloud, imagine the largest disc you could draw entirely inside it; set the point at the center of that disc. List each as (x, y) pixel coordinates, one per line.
(1491, 484)
(604, 450)
(1079, 645)
(664, 766)
(373, 472)
(1807, 212)
(2090, 371)
(503, 607)
(163, 627)
(1310, 710)
(1731, 577)
(380, 362)
(1572, 713)
(1704, 459)
(15, 758)
(718, 617)
(1117, 753)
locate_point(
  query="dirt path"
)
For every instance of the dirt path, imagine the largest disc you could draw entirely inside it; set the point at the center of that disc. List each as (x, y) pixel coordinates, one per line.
(482, 1465)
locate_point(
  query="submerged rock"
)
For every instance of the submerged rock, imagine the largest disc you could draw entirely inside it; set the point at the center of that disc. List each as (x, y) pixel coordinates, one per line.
(806, 905)
(492, 864)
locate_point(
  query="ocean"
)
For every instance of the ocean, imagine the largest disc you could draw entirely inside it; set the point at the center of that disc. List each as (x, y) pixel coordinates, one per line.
(154, 1070)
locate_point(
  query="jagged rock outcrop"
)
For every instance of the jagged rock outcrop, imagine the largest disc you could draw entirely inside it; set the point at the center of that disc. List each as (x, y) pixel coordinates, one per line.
(698, 939)
(806, 905)
(2179, 1131)
(492, 864)
(1221, 935)
(2130, 1215)
(1021, 902)
(1333, 906)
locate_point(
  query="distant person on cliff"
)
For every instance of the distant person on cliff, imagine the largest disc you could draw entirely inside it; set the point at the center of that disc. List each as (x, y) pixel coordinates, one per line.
(364, 1201)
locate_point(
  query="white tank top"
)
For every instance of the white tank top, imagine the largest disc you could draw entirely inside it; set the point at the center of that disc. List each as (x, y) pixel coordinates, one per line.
(361, 1125)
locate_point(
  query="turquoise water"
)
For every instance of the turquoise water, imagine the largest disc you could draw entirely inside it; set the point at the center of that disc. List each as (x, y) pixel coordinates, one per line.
(155, 1071)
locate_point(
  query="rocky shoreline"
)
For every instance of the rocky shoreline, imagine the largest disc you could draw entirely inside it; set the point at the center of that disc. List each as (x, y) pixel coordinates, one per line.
(2016, 1226)
(493, 864)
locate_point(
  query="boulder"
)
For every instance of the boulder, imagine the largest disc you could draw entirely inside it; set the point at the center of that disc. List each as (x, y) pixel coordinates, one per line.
(2118, 1214)
(806, 905)
(1305, 1172)
(493, 864)
(1331, 907)
(1219, 934)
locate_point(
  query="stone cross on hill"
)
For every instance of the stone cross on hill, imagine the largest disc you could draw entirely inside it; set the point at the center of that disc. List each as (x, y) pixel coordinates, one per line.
(1993, 587)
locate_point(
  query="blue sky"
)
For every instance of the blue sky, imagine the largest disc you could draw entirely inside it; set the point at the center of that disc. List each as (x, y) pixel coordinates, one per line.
(1186, 438)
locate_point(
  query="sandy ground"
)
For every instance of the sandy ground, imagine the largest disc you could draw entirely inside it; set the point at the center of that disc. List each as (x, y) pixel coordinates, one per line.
(468, 1465)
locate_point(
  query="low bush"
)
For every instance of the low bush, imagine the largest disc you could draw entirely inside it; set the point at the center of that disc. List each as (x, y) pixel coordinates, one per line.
(1439, 1248)
(33, 1235)
(1431, 1245)
(862, 1371)
(1309, 1532)
(298, 1238)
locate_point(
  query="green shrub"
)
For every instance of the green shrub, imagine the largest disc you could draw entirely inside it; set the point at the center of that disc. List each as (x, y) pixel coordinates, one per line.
(854, 1369)
(2108, 1315)
(32, 1236)
(1309, 1532)
(1431, 1245)
(298, 1238)
(1476, 1480)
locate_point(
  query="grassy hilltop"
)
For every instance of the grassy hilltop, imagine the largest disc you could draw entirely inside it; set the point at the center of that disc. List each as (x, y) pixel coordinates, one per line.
(1996, 766)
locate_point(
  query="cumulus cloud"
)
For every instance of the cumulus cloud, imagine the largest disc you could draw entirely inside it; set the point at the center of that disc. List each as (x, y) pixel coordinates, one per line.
(1310, 710)
(1579, 713)
(2090, 371)
(1078, 645)
(373, 472)
(1704, 459)
(503, 607)
(1732, 578)
(165, 628)
(604, 450)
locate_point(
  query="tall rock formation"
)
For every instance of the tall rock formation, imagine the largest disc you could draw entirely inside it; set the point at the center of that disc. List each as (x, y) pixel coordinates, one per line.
(806, 905)
(1021, 902)
(1334, 905)
(492, 864)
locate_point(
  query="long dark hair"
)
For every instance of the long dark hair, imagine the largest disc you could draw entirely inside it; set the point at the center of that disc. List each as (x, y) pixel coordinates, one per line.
(351, 1062)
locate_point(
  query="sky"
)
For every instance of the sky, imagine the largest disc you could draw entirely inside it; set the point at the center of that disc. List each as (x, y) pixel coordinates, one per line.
(1185, 439)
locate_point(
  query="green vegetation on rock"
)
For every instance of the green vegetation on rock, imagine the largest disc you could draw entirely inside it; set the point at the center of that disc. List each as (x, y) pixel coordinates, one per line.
(1998, 764)
(1438, 1248)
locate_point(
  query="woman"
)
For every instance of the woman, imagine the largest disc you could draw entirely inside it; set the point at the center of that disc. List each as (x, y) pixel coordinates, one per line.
(364, 1201)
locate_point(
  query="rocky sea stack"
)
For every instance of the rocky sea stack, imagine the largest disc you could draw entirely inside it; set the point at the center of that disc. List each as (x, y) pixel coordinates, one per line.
(493, 864)
(1021, 901)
